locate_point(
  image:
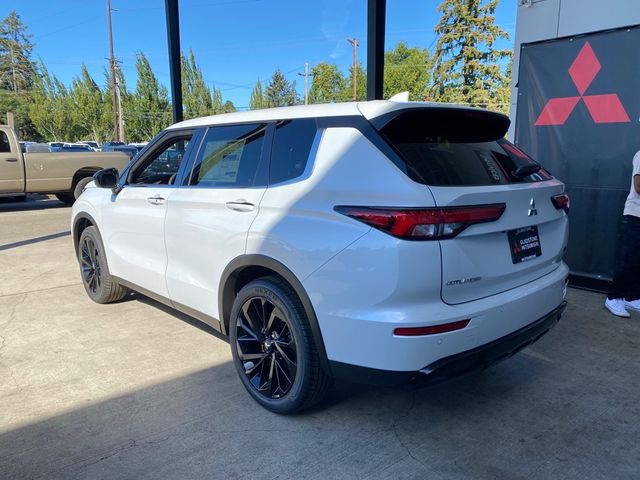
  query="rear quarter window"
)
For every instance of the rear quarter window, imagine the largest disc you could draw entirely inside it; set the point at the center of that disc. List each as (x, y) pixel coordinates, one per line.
(292, 143)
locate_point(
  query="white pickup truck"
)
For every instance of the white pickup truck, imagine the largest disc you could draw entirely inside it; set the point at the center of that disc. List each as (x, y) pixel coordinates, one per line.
(64, 174)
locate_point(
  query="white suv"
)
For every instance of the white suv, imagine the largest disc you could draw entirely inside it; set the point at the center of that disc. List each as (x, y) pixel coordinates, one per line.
(378, 240)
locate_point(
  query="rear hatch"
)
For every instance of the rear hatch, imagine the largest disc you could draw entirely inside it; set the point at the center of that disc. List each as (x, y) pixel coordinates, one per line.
(463, 158)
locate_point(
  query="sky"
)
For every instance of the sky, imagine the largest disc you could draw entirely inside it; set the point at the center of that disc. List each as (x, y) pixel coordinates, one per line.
(236, 42)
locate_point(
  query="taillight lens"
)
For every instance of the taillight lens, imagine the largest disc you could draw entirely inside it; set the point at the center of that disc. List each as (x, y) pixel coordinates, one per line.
(561, 201)
(431, 330)
(423, 223)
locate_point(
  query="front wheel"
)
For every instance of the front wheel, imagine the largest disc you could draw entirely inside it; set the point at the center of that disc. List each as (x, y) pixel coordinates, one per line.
(97, 281)
(273, 347)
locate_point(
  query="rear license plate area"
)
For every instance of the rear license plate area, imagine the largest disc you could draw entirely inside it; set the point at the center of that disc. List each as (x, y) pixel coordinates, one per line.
(524, 244)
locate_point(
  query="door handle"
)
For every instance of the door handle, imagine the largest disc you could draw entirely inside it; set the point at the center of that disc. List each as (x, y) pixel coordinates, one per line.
(240, 206)
(156, 200)
(10, 159)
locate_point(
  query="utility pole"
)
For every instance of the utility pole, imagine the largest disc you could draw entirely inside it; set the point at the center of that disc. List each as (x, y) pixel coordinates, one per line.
(120, 113)
(112, 62)
(354, 74)
(306, 75)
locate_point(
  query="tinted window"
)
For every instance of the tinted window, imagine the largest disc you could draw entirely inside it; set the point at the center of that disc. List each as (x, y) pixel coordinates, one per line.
(290, 151)
(229, 156)
(162, 166)
(459, 148)
(4, 143)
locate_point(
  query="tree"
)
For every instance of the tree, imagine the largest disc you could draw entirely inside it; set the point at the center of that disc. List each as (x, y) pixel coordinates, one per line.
(196, 96)
(16, 68)
(17, 73)
(87, 112)
(467, 65)
(256, 101)
(279, 92)
(407, 70)
(150, 109)
(328, 84)
(50, 107)
(228, 107)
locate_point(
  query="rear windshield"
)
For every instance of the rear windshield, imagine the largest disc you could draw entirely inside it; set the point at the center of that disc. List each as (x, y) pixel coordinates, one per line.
(459, 148)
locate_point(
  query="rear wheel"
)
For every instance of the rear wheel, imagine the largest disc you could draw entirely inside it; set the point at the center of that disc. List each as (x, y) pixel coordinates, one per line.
(273, 348)
(97, 281)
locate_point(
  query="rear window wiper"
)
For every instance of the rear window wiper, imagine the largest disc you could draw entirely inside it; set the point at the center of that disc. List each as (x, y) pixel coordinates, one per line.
(526, 170)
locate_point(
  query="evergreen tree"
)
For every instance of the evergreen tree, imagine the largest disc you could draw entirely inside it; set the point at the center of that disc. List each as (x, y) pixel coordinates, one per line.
(217, 105)
(16, 68)
(328, 84)
(407, 70)
(279, 92)
(196, 97)
(228, 107)
(467, 65)
(87, 110)
(256, 101)
(150, 109)
(50, 107)
(17, 73)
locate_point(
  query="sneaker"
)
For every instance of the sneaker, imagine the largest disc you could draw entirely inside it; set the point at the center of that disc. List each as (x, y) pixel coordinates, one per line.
(633, 304)
(616, 306)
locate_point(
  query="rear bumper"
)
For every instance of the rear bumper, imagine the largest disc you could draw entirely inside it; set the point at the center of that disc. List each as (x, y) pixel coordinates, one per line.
(468, 361)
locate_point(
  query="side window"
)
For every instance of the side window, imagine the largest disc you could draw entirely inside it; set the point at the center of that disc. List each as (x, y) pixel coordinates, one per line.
(229, 156)
(292, 144)
(161, 168)
(4, 143)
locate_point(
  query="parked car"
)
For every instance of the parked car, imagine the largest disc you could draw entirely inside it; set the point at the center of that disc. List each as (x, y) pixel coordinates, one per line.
(377, 241)
(128, 149)
(63, 174)
(139, 145)
(75, 147)
(93, 145)
(112, 144)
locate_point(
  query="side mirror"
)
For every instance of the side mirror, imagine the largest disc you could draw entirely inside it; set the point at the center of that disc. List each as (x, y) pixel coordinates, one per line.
(106, 178)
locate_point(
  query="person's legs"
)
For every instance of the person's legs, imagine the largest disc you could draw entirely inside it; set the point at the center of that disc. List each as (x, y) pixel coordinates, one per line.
(621, 273)
(625, 288)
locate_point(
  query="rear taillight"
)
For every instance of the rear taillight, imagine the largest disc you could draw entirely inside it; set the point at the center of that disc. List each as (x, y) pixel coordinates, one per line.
(561, 201)
(431, 330)
(423, 223)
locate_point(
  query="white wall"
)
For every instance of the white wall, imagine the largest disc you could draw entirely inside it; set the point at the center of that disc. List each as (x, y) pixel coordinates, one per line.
(549, 19)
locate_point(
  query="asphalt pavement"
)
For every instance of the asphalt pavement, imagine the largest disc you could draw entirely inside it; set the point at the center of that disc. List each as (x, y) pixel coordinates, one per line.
(136, 390)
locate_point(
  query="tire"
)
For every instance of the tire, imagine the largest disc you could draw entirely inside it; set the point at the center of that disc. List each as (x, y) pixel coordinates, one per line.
(66, 198)
(83, 182)
(94, 271)
(268, 329)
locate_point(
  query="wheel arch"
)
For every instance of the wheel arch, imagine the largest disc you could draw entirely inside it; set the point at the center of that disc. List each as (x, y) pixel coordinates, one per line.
(247, 268)
(82, 221)
(83, 173)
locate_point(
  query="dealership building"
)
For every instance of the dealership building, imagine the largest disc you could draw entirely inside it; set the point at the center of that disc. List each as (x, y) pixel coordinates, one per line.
(575, 107)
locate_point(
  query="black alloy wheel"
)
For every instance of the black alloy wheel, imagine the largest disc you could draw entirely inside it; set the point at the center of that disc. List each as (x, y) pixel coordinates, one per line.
(94, 269)
(266, 347)
(90, 265)
(274, 349)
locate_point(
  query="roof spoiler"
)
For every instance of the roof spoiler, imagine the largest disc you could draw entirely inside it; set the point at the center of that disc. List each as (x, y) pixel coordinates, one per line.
(455, 124)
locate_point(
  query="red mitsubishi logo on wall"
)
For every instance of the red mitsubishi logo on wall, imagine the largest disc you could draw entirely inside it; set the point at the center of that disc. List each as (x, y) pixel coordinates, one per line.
(605, 108)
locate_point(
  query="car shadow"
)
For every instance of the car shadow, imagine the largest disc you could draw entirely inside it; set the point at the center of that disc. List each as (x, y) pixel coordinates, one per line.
(33, 201)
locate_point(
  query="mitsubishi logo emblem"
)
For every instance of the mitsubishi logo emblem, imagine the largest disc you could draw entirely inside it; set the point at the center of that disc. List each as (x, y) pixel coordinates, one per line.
(604, 108)
(532, 208)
